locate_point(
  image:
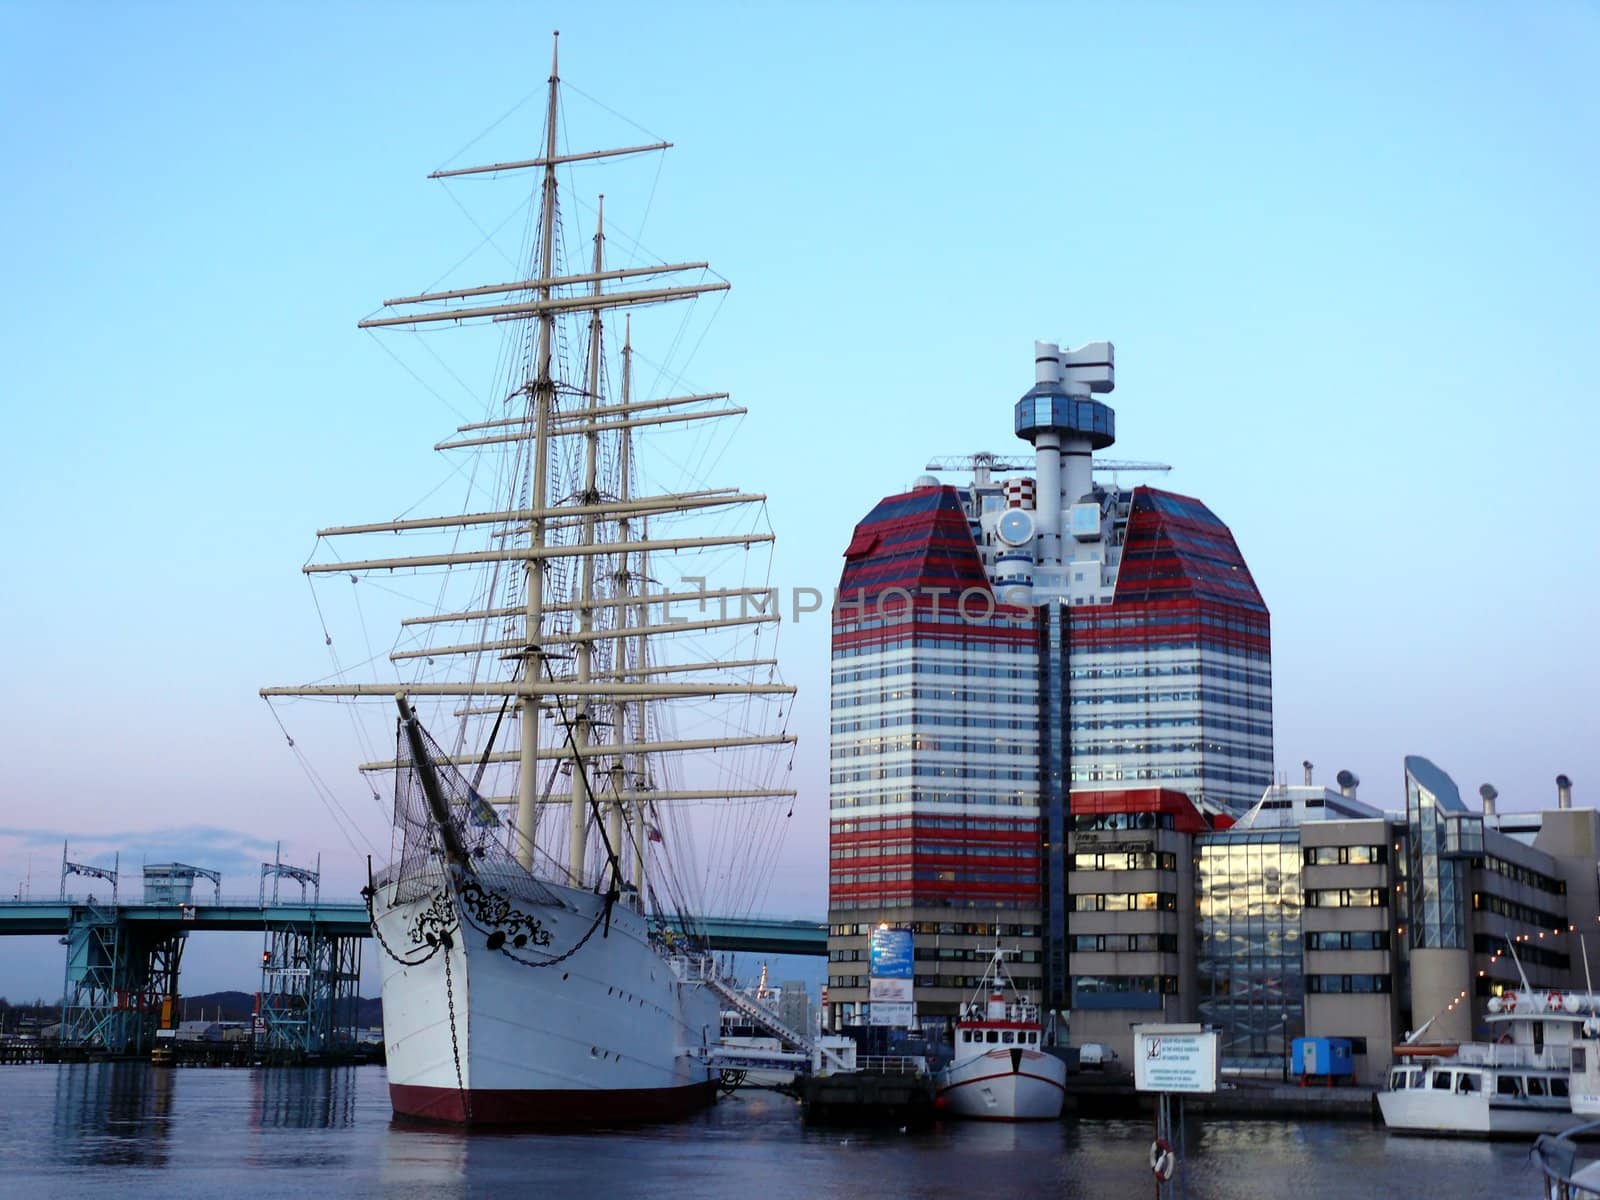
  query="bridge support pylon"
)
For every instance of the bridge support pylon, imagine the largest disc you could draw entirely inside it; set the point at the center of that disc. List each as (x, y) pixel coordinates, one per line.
(118, 979)
(308, 1001)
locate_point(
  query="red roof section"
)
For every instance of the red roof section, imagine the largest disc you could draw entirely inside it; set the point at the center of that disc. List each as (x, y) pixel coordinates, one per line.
(1176, 548)
(1186, 817)
(917, 540)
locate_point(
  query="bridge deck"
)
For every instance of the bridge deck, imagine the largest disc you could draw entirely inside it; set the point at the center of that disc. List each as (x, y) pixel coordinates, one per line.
(348, 918)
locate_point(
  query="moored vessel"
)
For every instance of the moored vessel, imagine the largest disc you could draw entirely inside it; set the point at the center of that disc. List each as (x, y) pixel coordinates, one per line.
(1517, 1085)
(1001, 1070)
(538, 920)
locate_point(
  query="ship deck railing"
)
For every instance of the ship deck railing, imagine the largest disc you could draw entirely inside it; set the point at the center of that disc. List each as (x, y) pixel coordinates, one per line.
(892, 1064)
(1493, 1054)
(1566, 1176)
(1017, 1013)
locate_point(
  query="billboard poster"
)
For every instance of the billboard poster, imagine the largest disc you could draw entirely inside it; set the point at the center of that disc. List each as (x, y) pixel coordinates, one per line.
(889, 978)
(891, 954)
(891, 991)
(901, 1016)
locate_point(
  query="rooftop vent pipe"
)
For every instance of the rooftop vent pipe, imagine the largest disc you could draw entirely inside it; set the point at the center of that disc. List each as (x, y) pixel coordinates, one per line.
(1563, 792)
(1348, 782)
(1307, 766)
(1489, 796)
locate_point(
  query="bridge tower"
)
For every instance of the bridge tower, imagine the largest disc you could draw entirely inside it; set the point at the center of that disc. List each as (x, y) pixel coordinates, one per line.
(96, 1005)
(309, 976)
(122, 981)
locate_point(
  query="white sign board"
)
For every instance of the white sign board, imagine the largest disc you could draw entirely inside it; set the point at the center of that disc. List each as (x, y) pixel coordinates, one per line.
(899, 1014)
(1174, 1058)
(881, 991)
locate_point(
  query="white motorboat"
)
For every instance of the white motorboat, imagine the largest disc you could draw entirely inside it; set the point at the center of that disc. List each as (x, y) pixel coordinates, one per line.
(1518, 1085)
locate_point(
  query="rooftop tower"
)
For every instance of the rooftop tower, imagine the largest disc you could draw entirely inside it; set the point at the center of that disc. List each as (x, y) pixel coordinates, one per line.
(1066, 425)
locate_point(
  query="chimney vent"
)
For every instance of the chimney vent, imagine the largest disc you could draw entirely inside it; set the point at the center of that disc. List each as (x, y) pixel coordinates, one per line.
(1348, 782)
(1487, 791)
(1307, 766)
(1563, 792)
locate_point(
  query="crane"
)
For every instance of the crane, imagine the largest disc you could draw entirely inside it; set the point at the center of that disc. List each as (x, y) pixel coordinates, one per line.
(985, 461)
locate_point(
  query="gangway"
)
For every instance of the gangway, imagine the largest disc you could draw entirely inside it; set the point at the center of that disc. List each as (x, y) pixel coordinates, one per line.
(814, 1055)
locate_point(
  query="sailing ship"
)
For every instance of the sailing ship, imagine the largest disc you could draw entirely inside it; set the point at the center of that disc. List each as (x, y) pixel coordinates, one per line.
(1001, 1070)
(542, 960)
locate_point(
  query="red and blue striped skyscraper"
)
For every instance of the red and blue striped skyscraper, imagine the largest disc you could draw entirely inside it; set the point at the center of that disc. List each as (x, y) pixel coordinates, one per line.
(1000, 646)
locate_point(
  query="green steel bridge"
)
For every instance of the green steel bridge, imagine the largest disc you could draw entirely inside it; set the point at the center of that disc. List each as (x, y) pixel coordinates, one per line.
(123, 958)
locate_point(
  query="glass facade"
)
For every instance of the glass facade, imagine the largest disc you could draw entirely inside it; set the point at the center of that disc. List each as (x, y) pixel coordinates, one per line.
(1439, 831)
(1172, 680)
(1054, 816)
(1249, 965)
(1057, 411)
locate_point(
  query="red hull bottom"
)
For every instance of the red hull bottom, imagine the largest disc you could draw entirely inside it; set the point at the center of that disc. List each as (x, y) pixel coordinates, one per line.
(550, 1108)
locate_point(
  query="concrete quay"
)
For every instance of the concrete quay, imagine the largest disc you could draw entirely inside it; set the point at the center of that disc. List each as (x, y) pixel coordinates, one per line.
(1114, 1096)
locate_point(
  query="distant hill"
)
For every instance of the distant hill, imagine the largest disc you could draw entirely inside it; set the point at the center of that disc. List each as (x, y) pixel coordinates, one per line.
(213, 1006)
(241, 1006)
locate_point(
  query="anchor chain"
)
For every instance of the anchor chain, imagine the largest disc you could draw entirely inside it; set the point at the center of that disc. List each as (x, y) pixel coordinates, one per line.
(455, 1044)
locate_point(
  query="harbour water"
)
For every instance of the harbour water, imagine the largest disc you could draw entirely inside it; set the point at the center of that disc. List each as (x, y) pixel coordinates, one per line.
(133, 1131)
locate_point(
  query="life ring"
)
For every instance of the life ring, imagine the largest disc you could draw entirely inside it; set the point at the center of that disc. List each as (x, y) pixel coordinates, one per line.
(1162, 1159)
(1508, 1002)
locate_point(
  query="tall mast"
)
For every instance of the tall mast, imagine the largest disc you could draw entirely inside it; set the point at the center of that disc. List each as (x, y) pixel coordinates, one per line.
(533, 579)
(607, 679)
(579, 811)
(631, 649)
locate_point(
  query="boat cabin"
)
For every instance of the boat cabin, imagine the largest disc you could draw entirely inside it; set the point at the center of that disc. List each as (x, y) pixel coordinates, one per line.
(1501, 1083)
(991, 1034)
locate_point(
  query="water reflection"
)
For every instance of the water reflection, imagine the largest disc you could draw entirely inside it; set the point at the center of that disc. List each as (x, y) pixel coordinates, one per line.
(303, 1097)
(112, 1114)
(128, 1129)
(428, 1160)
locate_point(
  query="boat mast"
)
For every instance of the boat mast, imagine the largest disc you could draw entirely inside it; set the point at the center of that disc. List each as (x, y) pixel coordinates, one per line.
(579, 810)
(621, 686)
(632, 649)
(533, 569)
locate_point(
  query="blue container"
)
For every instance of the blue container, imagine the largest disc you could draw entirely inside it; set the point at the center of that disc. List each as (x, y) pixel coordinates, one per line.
(1323, 1056)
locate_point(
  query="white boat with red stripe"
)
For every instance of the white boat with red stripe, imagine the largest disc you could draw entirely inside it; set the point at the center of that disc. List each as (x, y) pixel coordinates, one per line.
(1001, 1070)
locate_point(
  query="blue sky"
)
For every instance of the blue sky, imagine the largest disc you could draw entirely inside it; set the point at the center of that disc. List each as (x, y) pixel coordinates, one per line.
(1347, 255)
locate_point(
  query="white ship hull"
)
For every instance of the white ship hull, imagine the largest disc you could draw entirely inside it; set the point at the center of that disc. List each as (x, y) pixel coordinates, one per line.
(1418, 1110)
(1009, 1083)
(475, 1036)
